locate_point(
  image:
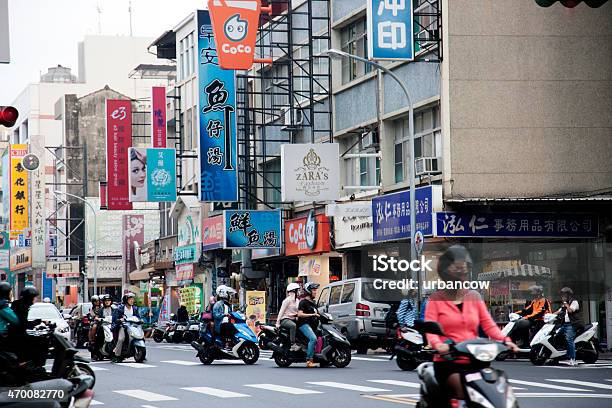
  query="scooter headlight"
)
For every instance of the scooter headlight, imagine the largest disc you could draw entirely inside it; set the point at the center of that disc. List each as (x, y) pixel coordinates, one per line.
(484, 352)
(64, 329)
(478, 398)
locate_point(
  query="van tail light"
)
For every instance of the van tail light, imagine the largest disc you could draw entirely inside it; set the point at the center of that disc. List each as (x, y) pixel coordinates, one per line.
(362, 310)
(398, 332)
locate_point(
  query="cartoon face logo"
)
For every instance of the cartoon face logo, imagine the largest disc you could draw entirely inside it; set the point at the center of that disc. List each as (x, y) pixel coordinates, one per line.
(235, 28)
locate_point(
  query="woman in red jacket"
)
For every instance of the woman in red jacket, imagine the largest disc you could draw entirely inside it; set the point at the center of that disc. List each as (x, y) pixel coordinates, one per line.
(460, 312)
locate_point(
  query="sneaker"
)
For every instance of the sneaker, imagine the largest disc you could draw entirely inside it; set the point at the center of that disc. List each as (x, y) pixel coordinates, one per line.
(310, 364)
(295, 347)
(573, 363)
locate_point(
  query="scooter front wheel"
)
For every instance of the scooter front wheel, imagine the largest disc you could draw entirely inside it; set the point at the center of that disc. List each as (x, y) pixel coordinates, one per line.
(341, 356)
(406, 363)
(538, 355)
(249, 353)
(158, 337)
(83, 368)
(140, 354)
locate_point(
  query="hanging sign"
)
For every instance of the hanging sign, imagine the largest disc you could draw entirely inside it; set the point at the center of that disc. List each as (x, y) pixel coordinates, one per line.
(20, 200)
(252, 229)
(158, 116)
(118, 140)
(152, 174)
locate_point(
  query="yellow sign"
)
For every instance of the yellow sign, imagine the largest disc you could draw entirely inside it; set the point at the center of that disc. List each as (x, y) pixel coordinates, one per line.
(19, 218)
(256, 308)
(190, 297)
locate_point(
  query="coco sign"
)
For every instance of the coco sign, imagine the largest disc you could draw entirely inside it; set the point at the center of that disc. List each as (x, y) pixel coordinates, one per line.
(235, 25)
(307, 235)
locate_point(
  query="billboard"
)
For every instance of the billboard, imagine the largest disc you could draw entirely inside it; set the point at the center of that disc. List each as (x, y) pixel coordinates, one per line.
(158, 116)
(21, 258)
(252, 229)
(310, 172)
(118, 140)
(64, 269)
(390, 30)
(152, 174)
(133, 231)
(217, 120)
(307, 235)
(20, 201)
(212, 233)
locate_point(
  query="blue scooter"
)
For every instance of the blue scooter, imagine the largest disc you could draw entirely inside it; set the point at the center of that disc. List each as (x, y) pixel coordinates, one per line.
(243, 346)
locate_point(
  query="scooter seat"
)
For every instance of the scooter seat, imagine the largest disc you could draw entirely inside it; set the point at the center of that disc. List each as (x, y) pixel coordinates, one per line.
(583, 329)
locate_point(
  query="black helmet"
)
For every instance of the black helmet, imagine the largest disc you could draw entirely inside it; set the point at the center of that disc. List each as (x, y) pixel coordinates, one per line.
(310, 286)
(29, 292)
(106, 297)
(5, 290)
(127, 296)
(95, 298)
(450, 256)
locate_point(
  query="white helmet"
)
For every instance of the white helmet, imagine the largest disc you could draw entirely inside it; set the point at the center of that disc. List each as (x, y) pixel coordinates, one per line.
(47, 300)
(292, 287)
(224, 292)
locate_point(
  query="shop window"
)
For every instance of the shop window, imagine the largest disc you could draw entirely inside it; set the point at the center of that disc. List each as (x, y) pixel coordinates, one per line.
(323, 298)
(347, 293)
(334, 296)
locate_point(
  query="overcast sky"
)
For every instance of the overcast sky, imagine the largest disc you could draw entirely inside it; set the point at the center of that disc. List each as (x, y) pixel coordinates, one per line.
(44, 33)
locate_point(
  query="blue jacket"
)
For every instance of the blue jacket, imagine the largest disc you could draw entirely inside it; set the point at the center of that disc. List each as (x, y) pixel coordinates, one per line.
(423, 307)
(219, 310)
(119, 312)
(7, 316)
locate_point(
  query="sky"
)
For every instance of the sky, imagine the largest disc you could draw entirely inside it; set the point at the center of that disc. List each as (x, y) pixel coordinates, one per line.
(45, 33)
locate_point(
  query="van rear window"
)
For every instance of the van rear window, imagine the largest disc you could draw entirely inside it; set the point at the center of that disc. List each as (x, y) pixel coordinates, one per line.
(371, 294)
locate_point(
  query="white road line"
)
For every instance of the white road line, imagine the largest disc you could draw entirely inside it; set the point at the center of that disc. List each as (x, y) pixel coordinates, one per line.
(95, 368)
(145, 395)
(148, 406)
(135, 365)
(229, 361)
(559, 395)
(542, 385)
(344, 386)
(366, 359)
(584, 383)
(94, 402)
(396, 382)
(181, 362)
(282, 388)
(216, 392)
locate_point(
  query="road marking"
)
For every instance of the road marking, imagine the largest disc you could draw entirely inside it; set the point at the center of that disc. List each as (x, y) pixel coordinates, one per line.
(148, 406)
(282, 388)
(366, 359)
(344, 386)
(216, 392)
(542, 385)
(145, 395)
(136, 365)
(392, 398)
(585, 383)
(94, 402)
(396, 382)
(94, 368)
(181, 362)
(229, 361)
(559, 395)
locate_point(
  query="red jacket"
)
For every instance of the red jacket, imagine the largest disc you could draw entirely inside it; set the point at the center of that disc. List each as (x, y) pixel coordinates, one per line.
(460, 325)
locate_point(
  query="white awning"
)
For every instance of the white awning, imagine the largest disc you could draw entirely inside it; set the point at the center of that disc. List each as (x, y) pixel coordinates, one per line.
(523, 271)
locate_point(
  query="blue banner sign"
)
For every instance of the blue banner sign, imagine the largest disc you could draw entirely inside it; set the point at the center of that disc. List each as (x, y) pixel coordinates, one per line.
(525, 225)
(185, 254)
(252, 229)
(390, 30)
(218, 132)
(391, 214)
(161, 174)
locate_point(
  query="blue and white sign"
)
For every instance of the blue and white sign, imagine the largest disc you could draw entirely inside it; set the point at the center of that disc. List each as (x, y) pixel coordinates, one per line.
(218, 133)
(252, 229)
(161, 174)
(524, 225)
(390, 30)
(391, 213)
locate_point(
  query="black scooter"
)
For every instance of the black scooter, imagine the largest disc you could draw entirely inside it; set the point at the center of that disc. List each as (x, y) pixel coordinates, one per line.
(482, 387)
(336, 348)
(73, 393)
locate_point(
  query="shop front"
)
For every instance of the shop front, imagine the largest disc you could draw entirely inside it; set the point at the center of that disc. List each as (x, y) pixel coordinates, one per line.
(21, 267)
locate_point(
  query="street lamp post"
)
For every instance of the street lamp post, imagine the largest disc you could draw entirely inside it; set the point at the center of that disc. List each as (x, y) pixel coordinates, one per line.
(333, 53)
(95, 239)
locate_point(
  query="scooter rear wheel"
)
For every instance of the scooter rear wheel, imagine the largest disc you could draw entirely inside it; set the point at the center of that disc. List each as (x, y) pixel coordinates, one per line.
(158, 337)
(406, 364)
(281, 360)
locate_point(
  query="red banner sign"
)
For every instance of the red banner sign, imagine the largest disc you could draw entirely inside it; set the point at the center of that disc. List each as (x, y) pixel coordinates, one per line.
(235, 25)
(296, 242)
(118, 140)
(212, 233)
(133, 230)
(184, 272)
(158, 116)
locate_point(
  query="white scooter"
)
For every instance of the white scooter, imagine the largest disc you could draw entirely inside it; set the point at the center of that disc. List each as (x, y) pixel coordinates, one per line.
(515, 329)
(549, 344)
(104, 349)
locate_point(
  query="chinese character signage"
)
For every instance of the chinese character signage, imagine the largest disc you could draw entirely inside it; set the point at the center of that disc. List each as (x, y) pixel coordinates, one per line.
(184, 272)
(158, 116)
(217, 106)
(255, 308)
(39, 222)
(212, 233)
(524, 225)
(5, 172)
(133, 231)
(185, 254)
(297, 232)
(21, 258)
(390, 30)
(310, 172)
(118, 141)
(152, 174)
(64, 269)
(391, 213)
(252, 229)
(20, 204)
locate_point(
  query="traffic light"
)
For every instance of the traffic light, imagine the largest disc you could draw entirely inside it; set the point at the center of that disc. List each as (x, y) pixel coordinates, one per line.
(571, 3)
(8, 116)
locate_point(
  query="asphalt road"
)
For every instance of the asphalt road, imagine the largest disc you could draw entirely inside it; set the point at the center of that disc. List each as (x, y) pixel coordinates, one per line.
(173, 377)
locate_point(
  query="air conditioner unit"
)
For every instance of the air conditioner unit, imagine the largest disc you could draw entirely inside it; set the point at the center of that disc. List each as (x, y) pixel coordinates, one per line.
(298, 118)
(369, 139)
(428, 165)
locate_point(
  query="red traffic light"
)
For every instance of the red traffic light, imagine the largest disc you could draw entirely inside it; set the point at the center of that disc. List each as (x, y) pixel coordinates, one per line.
(8, 116)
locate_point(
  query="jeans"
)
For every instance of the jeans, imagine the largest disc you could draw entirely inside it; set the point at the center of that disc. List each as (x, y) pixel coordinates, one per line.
(569, 332)
(120, 339)
(312, 340)
(289, 325)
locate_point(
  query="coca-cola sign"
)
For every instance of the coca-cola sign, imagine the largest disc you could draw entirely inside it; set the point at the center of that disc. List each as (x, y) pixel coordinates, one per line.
(305, 237)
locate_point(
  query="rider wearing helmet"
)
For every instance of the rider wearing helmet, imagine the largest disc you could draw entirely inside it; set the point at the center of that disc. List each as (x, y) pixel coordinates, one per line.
(221, 312)
(308, 320)
(21, 307)
(7, 315)
(29, 348)
(127, 309)
(535, 310)
(570, 317)
(287, 315)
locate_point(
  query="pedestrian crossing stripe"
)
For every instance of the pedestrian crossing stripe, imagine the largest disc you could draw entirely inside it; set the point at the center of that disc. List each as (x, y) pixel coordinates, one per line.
(145, 395)
(94, 402)
(181, 362)
(345, 386)
(216, 392)
(135, 365)
(96, 368)
(542, 385)
(583, 383)
(366, 359)
(397, 382)
(283, 388)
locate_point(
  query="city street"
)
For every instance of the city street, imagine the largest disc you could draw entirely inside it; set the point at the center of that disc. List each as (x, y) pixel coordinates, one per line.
(173, 377)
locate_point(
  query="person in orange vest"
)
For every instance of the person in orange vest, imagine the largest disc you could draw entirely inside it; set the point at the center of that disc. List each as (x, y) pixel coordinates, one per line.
(535, 310)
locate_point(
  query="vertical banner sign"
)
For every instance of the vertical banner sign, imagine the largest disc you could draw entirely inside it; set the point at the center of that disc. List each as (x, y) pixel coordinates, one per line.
(217, 106)
(133, 230)
(235, 26)
(252, 229)
(158, 116)
(390, 30)
(118, 140)
(5, 172)
(152, 174)
(39, 259)
(5, 245)
(256, 308)
(19, 216)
